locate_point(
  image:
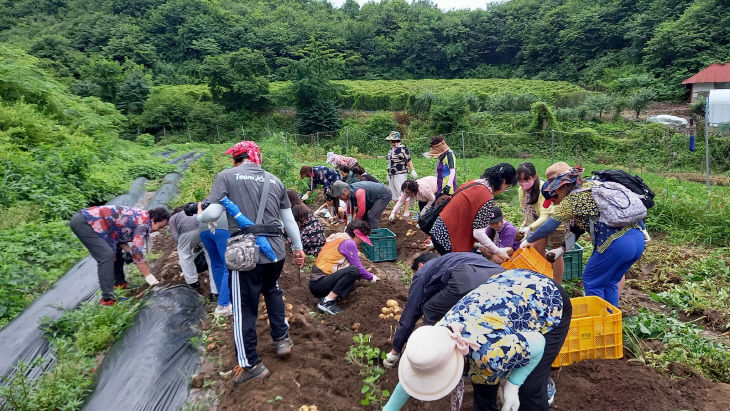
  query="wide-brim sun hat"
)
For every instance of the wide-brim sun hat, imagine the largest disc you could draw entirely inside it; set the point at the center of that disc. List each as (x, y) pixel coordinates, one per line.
(431, 366)
(437, 150)
(393, 136)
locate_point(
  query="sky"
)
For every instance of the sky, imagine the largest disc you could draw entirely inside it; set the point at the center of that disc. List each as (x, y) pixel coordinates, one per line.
(442, 4)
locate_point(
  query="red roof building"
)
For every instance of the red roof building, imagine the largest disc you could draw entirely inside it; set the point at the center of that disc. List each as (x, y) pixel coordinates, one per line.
(715, 76)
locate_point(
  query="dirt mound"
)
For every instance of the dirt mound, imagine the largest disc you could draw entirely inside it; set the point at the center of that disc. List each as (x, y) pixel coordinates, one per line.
(622, 385)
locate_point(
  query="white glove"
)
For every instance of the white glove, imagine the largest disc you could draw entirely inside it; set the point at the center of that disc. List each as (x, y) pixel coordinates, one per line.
(305, 197)
(375, 278)
(647, 239)
(151, 280)
(407, 213)
(391, 217)
(511, 398)
(556, 252)
(524, 243)
(502, 253)
(391, 360)
(525, 230)
(414, 174)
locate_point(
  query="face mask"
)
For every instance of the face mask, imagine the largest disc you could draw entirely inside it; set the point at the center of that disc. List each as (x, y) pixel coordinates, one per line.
(526, 185)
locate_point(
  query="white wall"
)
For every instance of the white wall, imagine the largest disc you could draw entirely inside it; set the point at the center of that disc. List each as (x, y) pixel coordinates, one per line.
(701, 89)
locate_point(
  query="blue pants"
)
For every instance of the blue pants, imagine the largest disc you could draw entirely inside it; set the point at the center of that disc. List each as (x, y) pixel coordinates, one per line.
(215, 244)
(604, 270)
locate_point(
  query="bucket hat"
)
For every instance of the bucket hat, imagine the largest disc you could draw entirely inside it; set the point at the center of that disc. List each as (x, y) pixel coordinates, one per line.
(437, 149)
(393, 136)
(431, 365)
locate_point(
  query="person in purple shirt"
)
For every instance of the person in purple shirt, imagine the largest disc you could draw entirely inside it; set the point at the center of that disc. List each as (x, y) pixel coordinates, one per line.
(502, 233)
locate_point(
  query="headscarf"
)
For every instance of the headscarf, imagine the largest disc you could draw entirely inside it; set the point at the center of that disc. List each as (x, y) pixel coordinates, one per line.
(246, 147)
(551, 185)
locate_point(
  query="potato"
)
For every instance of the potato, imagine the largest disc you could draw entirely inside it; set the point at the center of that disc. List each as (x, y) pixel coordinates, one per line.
(396, 317)
(397, 310)
(391, 303)
(288, 306)
(313, 408)
(385, 310)
(382, 316)
(390, 315)
(305, 408)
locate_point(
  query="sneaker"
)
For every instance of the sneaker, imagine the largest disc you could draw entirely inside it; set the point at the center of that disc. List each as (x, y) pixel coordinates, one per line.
(283, 347)
(213, 297)
(195, 285)
(121, 286)
(107, 301)
(223, 311)
(551, 389)
(330, 307)
(241, 375)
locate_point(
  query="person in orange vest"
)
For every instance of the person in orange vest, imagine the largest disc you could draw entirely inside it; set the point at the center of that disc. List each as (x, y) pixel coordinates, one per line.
(338, 266)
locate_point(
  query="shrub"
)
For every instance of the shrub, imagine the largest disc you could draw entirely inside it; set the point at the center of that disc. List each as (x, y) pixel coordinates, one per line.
(147, 140)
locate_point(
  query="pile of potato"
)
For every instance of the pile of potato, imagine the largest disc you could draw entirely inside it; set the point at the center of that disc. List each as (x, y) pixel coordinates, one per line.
(308, 408)
(411, 232)
(391, 310)
(265, 315)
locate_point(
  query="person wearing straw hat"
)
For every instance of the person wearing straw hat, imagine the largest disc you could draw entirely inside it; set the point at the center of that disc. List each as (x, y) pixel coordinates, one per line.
(446, 167)
(369, 198)
(511, 327)
(338, 266)
(615, 248)
(399, 162)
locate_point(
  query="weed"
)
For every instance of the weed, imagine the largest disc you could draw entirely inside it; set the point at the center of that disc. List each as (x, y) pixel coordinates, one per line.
(275, 399)
(407, 275)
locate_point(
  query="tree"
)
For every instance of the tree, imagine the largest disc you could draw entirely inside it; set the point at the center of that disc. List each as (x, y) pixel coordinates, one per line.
(448, 113)
(314, 93)
(133, 92)
(238, 80)
(640, 100)
(598, 103)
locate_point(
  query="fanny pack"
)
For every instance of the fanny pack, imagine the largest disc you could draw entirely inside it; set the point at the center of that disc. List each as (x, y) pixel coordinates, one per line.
(242, 252)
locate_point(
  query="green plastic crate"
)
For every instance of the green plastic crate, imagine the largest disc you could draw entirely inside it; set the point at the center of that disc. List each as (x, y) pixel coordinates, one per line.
(573, 263)
(383, 248)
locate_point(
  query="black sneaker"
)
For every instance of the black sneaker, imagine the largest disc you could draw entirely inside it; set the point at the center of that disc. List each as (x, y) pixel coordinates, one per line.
(330, 307)
(241, 375)
(283, 347)
(213, 297)
(195, 285)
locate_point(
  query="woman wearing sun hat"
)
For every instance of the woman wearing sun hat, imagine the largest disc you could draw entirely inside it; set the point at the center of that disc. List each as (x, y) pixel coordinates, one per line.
(512, 327)
(446, 167)
(338, 266)
(399, 162)
(615, 248)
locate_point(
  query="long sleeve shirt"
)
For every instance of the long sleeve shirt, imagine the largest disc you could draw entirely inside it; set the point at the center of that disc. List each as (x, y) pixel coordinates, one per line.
(504, 237)
(180, 223)
(427, 189)
(323, 176)
(117, 224)
(430, 279)
(537, 209)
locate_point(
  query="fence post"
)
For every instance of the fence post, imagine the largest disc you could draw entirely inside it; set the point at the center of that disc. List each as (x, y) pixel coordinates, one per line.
(243, 131)
(552, 146)
(347, 139)
(189, 138)
(707, 150)
(164, 131)
(463, 150)
(217, 134)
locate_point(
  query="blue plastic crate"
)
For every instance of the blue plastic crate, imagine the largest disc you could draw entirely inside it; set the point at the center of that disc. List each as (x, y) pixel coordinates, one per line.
(383, 248)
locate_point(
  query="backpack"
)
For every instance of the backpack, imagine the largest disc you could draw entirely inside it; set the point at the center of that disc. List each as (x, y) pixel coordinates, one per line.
(633, 183)
(617, 205)
(428, 216)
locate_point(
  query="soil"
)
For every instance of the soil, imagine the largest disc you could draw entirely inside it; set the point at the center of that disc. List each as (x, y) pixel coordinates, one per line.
(318, 372)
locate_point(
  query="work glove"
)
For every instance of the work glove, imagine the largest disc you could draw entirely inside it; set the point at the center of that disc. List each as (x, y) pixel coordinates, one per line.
(151, 280)
(647, 238)
(524, 243)
(511, 398)
(407, 214)
(391, 217)
(502, 253)
(446, 190)
(523, 233)
(375, 279)
(414, 174)
(391, 360)
(305, 197)
(554, 254)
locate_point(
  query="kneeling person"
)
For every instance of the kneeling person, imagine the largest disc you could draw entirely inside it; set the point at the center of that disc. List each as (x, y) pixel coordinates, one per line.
(438, 284)
(338, 266)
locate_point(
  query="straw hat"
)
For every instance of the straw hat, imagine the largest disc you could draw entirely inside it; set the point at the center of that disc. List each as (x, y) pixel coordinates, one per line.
(558, 168)
(438, 149)
(431, 366)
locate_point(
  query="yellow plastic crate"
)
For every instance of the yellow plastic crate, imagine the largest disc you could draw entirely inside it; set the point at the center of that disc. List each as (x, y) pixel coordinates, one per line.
(529, 258)
(595, 332)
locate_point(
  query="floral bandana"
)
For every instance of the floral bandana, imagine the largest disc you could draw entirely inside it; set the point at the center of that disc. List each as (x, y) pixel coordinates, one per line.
(553, 184)
(246, 147)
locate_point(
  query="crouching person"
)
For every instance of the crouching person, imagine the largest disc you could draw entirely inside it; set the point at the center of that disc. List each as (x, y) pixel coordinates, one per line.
(512, 327)
(338, 266)
(438, 284)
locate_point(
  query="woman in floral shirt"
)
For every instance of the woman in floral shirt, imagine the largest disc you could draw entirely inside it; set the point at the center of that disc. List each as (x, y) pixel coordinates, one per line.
(310, 229)
(512, 327)
(102, 229)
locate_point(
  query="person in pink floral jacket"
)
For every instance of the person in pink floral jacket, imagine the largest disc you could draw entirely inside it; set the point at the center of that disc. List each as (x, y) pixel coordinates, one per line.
(104, 229)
